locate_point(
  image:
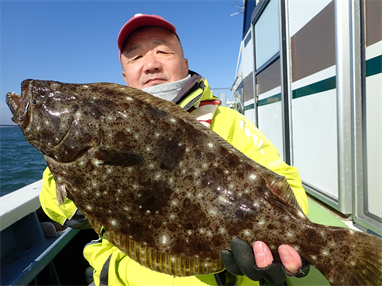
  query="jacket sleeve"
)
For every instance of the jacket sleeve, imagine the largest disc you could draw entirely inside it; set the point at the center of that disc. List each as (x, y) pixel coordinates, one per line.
(247, 138)
(67, 214)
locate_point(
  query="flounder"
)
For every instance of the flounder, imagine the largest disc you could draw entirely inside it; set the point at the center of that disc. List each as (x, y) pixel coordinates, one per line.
(169, 192)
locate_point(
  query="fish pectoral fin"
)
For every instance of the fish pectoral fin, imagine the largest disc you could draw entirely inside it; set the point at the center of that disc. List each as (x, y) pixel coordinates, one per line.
(280, 186)
(61, 193)
(115, 157)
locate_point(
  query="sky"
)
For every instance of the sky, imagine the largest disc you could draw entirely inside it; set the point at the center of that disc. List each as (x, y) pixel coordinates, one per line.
(76, 41)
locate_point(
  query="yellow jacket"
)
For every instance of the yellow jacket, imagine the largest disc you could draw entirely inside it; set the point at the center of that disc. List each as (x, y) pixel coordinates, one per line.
(118, 269)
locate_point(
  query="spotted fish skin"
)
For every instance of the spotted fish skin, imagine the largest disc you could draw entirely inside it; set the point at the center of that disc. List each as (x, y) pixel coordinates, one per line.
(169, 192)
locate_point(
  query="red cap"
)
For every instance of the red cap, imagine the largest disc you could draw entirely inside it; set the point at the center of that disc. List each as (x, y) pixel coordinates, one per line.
(141, 20)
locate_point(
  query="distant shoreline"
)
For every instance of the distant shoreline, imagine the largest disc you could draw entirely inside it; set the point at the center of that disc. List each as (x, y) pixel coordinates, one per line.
(8, 125)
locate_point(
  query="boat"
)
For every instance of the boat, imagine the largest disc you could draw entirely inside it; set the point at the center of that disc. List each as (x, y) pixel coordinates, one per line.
(309, 77)
(32, 251)
(346, 190)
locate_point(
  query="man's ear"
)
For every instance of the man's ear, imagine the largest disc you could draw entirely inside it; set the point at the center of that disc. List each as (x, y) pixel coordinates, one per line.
(186, 64)
(124, 77)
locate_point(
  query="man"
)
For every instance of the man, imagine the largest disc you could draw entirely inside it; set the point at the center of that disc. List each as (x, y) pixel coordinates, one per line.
(152, 60)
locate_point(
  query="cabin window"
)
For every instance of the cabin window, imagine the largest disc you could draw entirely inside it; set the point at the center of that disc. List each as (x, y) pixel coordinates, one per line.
(267, 34)
(248, 9)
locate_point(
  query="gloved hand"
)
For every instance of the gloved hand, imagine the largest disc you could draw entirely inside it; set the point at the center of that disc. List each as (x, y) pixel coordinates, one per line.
(241, 261)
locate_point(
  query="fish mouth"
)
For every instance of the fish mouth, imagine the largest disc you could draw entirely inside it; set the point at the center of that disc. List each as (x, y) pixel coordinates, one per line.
(13, 101)
(20, 106)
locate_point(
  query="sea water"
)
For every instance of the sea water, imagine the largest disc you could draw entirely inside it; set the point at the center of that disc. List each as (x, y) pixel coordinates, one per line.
(20, 163)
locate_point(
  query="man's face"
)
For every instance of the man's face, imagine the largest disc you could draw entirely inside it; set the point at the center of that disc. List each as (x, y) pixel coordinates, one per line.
(152, 56)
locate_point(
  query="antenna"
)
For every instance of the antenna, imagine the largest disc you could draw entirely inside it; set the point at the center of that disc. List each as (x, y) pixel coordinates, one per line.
(240, 8)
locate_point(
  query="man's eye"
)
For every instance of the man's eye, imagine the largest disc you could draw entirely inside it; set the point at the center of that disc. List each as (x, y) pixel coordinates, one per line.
(135, 58)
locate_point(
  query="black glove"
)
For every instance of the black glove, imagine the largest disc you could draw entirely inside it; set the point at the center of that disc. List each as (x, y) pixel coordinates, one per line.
(241, 261)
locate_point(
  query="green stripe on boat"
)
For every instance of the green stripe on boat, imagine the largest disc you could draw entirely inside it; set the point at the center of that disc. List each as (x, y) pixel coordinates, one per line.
(374, 66)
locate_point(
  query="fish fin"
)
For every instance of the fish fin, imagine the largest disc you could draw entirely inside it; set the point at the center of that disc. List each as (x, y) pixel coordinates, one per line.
(61, 193)
(356, 258)
(161, 261)
(107, 156)
(280, 186)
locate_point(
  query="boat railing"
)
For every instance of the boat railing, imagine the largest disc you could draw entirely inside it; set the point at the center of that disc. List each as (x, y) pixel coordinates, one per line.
(27, 245)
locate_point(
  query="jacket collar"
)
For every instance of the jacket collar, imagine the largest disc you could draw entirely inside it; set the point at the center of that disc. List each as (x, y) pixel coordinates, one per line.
(193, 92)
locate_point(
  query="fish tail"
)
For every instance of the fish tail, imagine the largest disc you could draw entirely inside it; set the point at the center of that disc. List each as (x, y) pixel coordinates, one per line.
(349, 257)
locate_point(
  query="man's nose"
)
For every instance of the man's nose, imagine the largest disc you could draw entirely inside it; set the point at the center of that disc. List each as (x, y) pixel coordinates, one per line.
(151, 64)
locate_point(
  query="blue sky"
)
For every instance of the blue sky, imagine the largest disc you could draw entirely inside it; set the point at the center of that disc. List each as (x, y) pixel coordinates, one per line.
(75, 41)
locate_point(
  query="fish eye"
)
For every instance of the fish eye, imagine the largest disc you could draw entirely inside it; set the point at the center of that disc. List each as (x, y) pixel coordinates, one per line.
(34, 101)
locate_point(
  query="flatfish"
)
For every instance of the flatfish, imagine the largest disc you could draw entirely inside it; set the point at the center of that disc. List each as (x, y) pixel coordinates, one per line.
(169, 192)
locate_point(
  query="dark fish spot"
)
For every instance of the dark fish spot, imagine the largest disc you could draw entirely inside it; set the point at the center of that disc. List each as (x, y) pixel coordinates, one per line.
(95, 112)
(233, 231)
(144, 182)
(310, 233)
(189, 178)
(157, 113)
(102, 188)
(230, 159)
(120, 138)
(210, 156)
(189, 226)
(117, 157)
(198, 245)
(172, 227)
(155, 197)
(148, 140)
(77, 180)
(170, 153)
(157, 223)
(86, 138)
(239, 214)
(92, 109)
(74, 108)
(165, 165)
(89, 167)
(142, 232)
(172, 148)
(161, 141)
(165, 126)
(150, 201)
(108, 92)
(192, 216)
(271, 226)
(345, 250)
(179, 246)
(218, 239)
(177, 152)
(187, 202)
